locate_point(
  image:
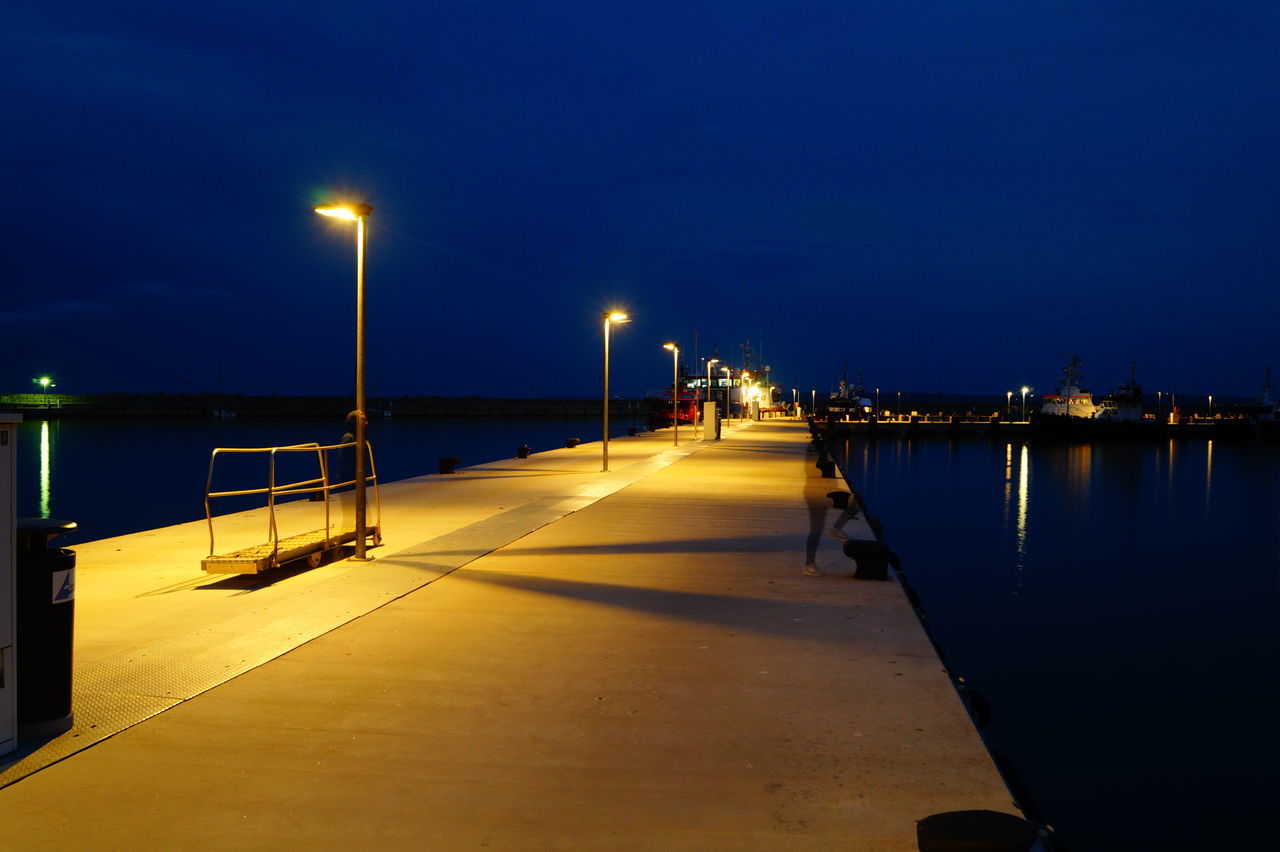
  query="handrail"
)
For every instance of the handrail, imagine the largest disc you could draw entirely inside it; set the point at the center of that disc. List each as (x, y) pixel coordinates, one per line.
(320, 484)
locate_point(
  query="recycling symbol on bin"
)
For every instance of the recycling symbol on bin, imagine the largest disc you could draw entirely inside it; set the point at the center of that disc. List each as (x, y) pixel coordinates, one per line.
(64, 586)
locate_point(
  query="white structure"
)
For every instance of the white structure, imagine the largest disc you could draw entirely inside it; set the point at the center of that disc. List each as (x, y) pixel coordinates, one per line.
(8, 582)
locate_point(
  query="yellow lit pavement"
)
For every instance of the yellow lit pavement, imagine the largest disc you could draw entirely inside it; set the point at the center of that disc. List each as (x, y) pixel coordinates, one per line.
(540, 656)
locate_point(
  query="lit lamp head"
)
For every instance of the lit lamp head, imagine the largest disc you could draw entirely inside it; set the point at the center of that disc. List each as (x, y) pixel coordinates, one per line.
(713, 361)
(616, 317)
(44, 382)
(671, 346)
(351, 212)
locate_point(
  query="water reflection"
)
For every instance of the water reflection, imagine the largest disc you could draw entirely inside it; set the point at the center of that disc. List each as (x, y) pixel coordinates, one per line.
(1208, 471)
(46, 463)
(1024, 507)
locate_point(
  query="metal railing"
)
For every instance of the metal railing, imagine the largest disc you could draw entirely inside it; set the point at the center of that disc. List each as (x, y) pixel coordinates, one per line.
(316, 485)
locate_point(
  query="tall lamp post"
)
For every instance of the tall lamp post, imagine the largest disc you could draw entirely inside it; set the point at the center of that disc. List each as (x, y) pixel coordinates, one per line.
(609, 320)
(45, 383)
(709, 363)
(795, 403)
(742, 394)
(1024, 402)
(675, 390)
(357, 213)
(1008, 405)
(813, 402)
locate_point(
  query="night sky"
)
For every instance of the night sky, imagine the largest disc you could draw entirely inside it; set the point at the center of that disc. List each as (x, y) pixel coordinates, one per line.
(954, 196)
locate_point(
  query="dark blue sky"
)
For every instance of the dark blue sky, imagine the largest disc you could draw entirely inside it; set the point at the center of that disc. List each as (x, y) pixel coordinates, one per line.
(952, 195)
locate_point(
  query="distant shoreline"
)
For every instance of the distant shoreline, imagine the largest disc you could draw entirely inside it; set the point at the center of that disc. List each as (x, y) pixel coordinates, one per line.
(240, 405)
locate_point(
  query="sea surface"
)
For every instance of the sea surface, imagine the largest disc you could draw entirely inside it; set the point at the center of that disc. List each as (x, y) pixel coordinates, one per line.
(121, 475)
(1118, 607)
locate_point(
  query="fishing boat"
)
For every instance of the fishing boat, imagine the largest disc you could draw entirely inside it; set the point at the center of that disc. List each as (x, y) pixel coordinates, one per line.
(1071, 400)
(849, 400)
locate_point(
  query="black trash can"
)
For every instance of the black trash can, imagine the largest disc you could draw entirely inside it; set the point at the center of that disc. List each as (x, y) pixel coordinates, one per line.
(46, 609)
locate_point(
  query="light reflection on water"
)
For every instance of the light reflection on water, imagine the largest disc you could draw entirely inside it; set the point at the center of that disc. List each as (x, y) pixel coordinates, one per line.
(1120, 609)
(46, 465)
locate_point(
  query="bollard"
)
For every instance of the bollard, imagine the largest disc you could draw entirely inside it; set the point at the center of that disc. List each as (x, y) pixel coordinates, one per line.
(572, 442)
(631, 431)
(872, 558)
(828, 468)
(975, 831)
(446, 464)
(45, 628)
(523, 452)
(840, 499)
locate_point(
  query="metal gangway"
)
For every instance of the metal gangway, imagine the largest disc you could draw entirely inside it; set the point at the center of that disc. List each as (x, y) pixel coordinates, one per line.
(278, 550)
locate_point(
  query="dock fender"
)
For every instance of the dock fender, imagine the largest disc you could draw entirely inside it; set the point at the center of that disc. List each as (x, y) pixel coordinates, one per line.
(872, 558)
(975, 831)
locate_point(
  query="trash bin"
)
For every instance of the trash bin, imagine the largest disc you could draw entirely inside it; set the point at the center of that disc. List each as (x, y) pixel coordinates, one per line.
(45, 625)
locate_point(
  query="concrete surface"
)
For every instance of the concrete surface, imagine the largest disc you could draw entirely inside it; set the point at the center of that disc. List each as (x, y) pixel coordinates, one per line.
(541, 656)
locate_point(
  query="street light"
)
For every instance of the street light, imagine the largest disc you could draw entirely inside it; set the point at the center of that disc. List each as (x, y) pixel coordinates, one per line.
(357, 213)
(877, 403)
(813, 402)
(1008, 405)
(1210, 405)
(45, 383)
(675, 390)
(795, 403)
(1024, 402)
(743, 377)
(704, 420)
(609, 319)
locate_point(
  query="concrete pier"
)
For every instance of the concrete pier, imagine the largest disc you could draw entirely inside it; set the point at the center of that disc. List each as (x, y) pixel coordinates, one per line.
(540, 655)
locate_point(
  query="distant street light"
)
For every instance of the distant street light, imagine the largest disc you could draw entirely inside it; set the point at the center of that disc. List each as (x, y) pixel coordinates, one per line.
(609, 319)
(357, 213)
(899, 414)
(45, 383)
(1024, 402)
(743, 377)
(813, 402)
(877, 403)
(1008, 405)
(795, 403)
(675, 390)
(1159, 406)
(1210, 405)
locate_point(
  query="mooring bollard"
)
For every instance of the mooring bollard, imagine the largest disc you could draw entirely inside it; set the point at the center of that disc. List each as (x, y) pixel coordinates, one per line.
(985, 830)
(572, 442)
(523, 452)
(631, 430)
(828, 468)
(840, 499)
(446, 464)
(872, 558)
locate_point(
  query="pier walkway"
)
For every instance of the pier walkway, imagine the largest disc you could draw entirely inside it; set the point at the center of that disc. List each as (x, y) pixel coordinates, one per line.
(540, 656)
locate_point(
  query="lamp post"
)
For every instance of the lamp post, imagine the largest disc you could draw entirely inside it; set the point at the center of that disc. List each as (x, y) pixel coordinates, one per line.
(609, 320)
(1024, 402)
(1008, 405)
(795, 403)
(675, 390)
(728, 388)
(709, 363)
(357, 213)
(1211, 405)
(899, 414)
(877, 403)
(743, 378)
(813, 402)
(45, 383)
(1159, 407)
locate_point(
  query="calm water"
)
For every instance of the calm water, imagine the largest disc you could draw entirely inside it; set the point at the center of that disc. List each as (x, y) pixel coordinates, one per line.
(115, 476)
(1118, 606)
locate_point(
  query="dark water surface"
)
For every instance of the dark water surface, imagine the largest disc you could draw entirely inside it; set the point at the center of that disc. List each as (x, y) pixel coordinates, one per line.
(1118, 606)
(116, 476)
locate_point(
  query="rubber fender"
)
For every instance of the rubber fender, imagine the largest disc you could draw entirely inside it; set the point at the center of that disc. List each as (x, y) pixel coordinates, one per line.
(872, 558)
